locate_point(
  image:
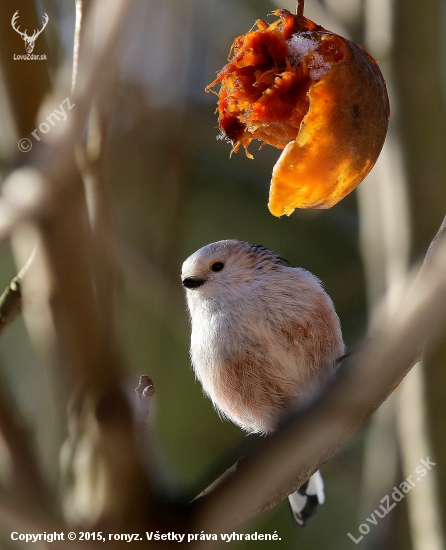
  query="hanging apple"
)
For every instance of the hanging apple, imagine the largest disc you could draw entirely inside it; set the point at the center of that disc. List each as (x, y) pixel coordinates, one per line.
(317, 96)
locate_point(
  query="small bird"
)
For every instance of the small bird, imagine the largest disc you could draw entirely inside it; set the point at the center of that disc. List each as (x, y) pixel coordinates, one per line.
(265, 340)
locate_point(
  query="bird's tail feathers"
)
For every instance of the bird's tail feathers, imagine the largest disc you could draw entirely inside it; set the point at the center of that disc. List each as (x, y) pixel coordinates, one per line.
(305, 501)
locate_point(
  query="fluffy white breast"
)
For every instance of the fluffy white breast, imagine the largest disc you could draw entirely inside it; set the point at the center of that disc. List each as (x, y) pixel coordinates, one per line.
(262, 341)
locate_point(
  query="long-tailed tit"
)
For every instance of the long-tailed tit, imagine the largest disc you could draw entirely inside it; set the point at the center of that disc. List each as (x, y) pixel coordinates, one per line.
(265, 340)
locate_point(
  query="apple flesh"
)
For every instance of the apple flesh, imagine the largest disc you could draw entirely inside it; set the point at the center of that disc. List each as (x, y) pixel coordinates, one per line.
(316, 95)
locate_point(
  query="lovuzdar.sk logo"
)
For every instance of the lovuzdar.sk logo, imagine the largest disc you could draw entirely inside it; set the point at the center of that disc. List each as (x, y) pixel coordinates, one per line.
(30, 40)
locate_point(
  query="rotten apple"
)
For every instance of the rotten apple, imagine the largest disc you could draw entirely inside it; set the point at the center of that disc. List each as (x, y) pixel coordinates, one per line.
(316, 95)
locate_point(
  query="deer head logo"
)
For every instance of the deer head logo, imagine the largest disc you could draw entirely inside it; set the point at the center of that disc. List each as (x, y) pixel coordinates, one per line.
(29, 40)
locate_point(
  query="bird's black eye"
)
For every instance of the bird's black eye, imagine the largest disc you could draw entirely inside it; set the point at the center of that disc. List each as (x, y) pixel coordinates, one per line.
(217, 266)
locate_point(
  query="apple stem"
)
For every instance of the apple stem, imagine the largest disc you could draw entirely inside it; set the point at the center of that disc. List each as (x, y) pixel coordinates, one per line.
(300, 9)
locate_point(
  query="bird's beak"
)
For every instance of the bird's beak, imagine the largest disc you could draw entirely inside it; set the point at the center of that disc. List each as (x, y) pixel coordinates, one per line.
(192, 282)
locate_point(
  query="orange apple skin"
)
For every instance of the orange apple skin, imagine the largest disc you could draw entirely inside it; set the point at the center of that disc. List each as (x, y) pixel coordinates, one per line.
(316, 95)
(339, 139)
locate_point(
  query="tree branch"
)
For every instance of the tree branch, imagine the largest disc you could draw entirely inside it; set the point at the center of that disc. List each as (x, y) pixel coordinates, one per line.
(300, 9)
(51, 197)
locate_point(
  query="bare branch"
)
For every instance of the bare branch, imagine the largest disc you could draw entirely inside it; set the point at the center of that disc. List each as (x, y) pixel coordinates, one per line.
(51, 198)
(112, 486)
(300, 9)
(13, 207)
(82, 8)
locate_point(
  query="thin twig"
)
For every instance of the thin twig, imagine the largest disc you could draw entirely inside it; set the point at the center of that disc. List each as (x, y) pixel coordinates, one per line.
(76, 46)
(300, 9)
